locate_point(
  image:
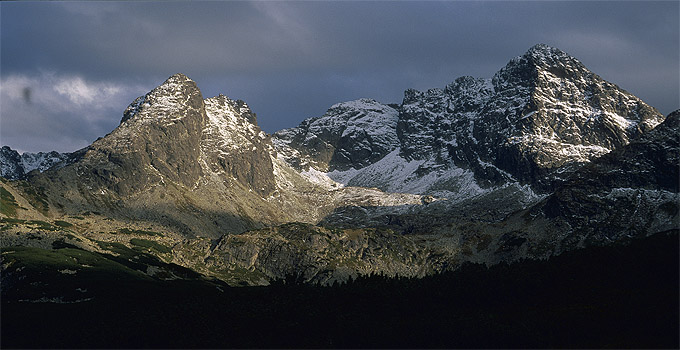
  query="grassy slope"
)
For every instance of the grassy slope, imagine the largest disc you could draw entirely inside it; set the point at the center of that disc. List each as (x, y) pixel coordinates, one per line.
(617, 296)
(8, 205)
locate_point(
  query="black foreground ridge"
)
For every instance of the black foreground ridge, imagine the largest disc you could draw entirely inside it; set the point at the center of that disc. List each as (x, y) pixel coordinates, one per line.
(538, 208)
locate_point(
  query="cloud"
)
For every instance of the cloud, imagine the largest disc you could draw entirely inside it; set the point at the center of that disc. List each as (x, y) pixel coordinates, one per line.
(66, 111)
(80, 92)
(292, 60)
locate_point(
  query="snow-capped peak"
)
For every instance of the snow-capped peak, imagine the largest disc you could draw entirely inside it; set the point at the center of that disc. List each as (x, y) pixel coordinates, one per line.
(543, 51)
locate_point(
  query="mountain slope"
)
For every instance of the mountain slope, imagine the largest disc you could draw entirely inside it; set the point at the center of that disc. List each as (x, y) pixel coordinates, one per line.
(630, 192)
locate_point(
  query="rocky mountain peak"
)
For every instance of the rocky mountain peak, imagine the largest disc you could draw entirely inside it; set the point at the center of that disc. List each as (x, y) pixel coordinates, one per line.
(412, 96)
(178, 78)
(166, 100)
(350, 134)
(10, 164)
(549, 111)
(548, 55)
(158, 140)
(467, 83)
(524, 70)
(229, 121)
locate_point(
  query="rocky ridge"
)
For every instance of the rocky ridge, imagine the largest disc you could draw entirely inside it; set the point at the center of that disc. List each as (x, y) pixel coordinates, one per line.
(540, 117)
(15, 166)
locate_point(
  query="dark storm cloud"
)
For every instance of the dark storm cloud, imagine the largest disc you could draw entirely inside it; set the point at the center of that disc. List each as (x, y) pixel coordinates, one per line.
(292, 60)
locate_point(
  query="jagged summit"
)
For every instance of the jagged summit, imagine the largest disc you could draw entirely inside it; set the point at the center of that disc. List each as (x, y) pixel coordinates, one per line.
(544, 56)
(541, 112)
(359, 103)
(168, 101)
(15, 166)
(523, 71)
(546, 53)
(178, 78)
(544, 110)
(239, 107)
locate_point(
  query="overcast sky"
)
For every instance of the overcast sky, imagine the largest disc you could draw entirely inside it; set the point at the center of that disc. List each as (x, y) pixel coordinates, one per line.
(69, 69)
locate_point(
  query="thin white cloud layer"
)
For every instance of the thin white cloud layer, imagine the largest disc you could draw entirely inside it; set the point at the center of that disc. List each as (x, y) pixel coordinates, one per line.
(79, 92)
(46, 110)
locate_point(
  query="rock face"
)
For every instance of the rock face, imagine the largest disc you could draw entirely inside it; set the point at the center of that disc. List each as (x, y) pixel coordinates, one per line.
(233, 144)
(627, 194)
(351, 135)
(158, 140)
(541, 116)
(10, 161)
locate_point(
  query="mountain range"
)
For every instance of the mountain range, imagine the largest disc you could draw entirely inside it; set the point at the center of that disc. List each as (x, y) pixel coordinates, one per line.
(543, 158)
